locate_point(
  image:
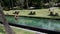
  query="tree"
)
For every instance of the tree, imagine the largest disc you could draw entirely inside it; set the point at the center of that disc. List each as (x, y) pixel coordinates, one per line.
(27, 4)
(5, 23)
(52, 3)
(20, 3)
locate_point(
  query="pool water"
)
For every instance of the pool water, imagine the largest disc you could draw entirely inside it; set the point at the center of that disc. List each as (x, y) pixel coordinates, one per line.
(35, 22)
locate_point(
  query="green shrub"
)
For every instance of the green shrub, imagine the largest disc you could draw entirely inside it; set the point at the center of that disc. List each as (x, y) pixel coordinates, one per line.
(6, 9)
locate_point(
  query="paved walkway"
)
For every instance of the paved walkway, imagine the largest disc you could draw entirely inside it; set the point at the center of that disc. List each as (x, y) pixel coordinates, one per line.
(39, 13)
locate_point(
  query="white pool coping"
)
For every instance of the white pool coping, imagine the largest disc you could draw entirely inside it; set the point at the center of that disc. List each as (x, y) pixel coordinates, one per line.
(29, 30)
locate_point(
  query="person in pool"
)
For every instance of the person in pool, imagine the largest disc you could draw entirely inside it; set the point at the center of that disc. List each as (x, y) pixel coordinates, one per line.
(16, 15)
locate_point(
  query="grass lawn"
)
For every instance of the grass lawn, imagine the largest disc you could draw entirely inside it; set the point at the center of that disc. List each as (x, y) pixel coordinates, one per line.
(39, 13)
(16, 30)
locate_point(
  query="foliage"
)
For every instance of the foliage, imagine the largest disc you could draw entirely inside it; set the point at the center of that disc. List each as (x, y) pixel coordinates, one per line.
(27, 3)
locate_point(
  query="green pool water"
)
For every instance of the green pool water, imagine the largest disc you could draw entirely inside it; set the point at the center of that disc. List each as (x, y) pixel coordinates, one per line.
(35, 22)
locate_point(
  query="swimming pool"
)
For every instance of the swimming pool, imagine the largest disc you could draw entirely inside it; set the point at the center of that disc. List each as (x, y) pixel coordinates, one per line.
(49, 24)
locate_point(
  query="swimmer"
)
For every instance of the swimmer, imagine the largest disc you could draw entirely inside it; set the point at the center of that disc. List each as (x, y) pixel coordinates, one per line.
(16, 16)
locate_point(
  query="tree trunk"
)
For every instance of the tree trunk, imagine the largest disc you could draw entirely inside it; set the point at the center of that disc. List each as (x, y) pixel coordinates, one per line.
(21, 3)
(27, 4)
(5, 23)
